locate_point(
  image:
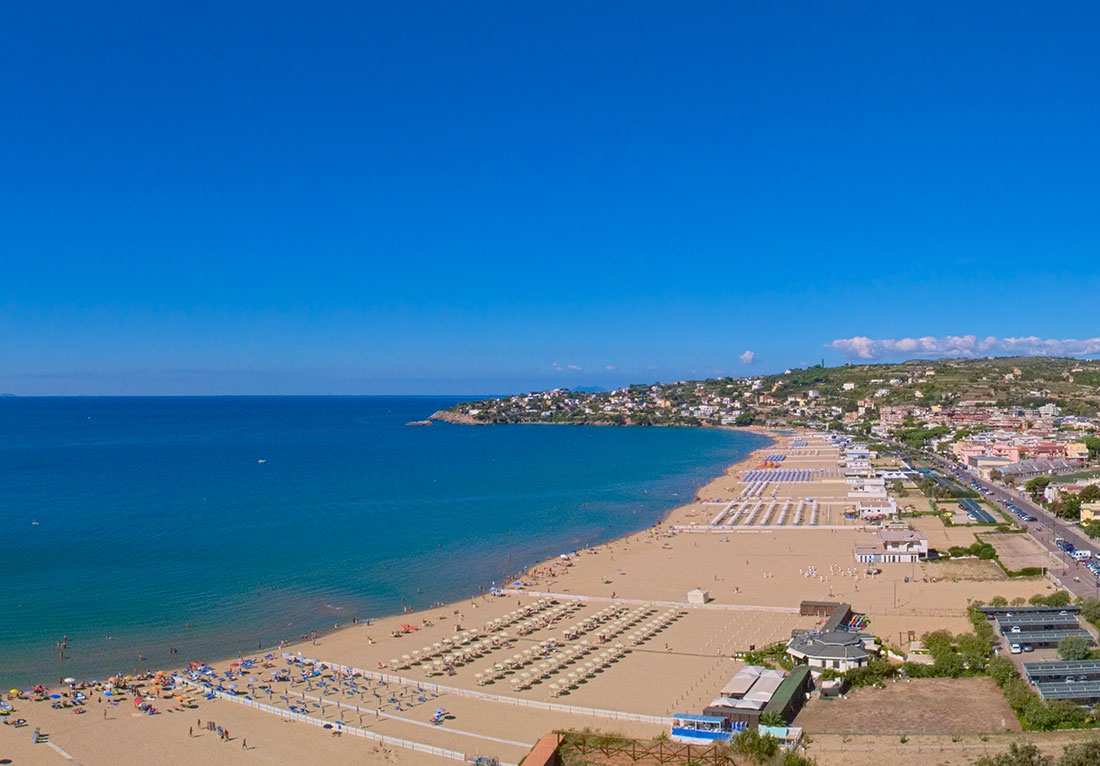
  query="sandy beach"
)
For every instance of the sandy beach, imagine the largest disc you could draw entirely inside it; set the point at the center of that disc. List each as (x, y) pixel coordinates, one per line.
(644, 654)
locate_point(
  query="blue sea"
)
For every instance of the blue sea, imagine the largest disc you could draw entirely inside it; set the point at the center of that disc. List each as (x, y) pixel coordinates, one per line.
(158, 526)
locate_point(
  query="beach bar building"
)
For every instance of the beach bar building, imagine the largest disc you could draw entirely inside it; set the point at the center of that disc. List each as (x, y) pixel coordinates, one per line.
(836, 650)
(756, 690)
(745, 696)
(692, 729)
(834, 646)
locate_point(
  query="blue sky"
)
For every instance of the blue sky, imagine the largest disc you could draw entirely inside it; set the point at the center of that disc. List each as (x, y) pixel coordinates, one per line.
(488, 197)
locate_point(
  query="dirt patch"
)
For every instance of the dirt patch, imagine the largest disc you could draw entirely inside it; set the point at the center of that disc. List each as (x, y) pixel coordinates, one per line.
(1018, 551)
(920, 706)
(963, 569)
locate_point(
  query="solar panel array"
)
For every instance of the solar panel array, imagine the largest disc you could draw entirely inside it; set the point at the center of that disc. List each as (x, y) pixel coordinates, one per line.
(1022, 620)
(1079, 690)
(1047, 637)
(971, 506)
(1062, 669)
(1050, 678)
(993, 611)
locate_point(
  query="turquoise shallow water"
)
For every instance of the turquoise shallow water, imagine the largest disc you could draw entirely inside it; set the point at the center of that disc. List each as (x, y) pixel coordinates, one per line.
(158, 527)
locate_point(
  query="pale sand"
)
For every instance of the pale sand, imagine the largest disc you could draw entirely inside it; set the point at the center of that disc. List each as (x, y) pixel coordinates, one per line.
(679, 669)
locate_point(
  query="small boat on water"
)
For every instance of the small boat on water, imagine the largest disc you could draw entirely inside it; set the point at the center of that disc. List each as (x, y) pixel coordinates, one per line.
(419, 423)
(261, 460)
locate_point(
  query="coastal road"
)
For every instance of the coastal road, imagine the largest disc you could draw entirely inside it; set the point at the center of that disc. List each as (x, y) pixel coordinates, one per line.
(1074, 576)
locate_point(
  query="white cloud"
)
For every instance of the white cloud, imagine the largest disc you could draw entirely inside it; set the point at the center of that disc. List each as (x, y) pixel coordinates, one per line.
(610, 368)
(747, 357)
(564, 367)
(863, 347)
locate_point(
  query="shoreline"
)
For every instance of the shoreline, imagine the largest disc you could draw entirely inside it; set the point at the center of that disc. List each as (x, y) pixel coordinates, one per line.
(469, 601)
(645, 653)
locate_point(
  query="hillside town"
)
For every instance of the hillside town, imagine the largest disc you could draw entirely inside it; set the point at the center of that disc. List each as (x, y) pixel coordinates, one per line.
(1030, 422)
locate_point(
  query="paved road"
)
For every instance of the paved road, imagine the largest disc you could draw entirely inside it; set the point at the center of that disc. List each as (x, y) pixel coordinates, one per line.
(1077, 579)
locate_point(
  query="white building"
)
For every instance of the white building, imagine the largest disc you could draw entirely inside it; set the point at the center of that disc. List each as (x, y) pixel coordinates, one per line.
(876, 507)
(893, 546)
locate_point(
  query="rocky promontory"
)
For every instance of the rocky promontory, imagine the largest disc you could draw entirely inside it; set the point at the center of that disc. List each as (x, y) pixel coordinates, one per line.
(461, 418)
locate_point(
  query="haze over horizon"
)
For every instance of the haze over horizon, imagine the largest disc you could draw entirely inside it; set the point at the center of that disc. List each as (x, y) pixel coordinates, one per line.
(487, 198)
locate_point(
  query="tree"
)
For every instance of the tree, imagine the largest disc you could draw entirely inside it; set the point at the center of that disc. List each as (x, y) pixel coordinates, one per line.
(1090, 609)
(1001, 670)
(1073, 648)
(1090, 494)
(1093, 444)
(794, 759)
(1037, 485)
(1059, 598)
(974, 651)
(772, 718)
(760, 748)
(949, 664)
(1026, 754)
(1070, 507)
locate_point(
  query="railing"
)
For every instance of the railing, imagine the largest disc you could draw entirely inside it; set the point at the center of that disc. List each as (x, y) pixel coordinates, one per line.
(385, 739)
(676, 604)
(617, 715)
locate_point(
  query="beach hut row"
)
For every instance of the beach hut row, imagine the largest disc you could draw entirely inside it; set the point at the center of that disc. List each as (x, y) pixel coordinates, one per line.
(650, 628)
(619, 625)
(547, 618)
(544, 666)
(518, 615)
(574, 678)
(466, 639)
(593, 621)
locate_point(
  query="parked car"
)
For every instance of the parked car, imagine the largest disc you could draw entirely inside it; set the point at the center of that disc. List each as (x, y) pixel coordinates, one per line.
(1015, 648)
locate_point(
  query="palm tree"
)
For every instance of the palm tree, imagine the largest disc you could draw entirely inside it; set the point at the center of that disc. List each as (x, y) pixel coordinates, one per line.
(772, 718)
